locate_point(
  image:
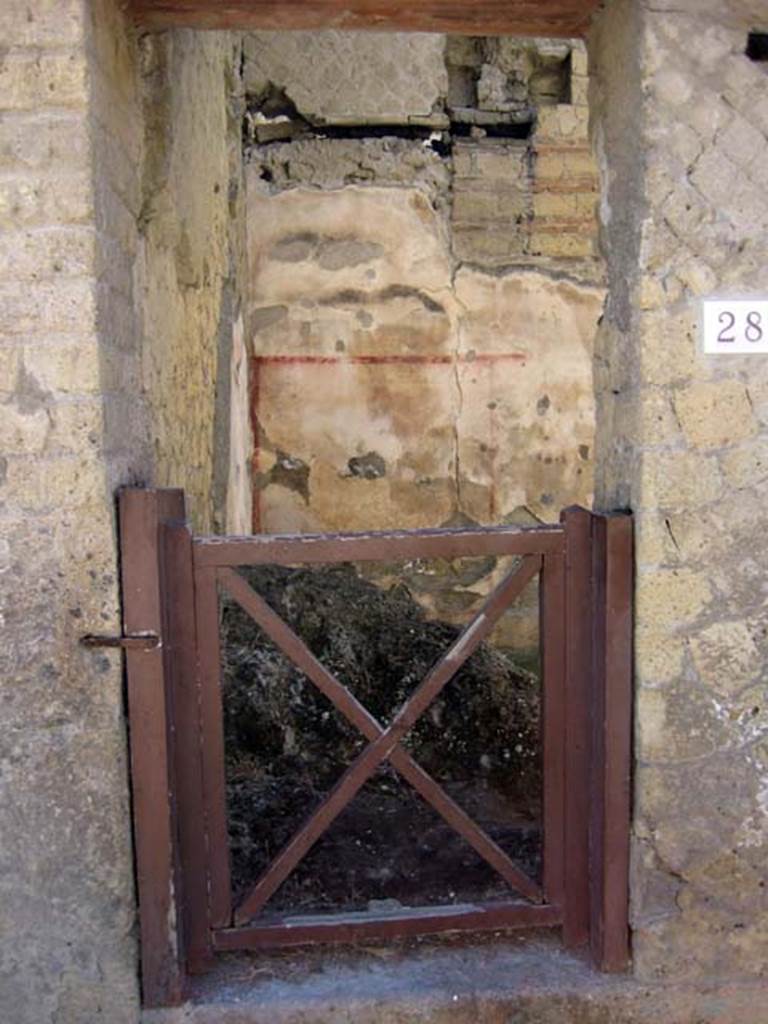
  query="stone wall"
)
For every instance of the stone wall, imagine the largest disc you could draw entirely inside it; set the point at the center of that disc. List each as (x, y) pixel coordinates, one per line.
(72, 427)
(422, 296)
(98, 198)
(186, 272)
(343, 77)
(683, 443)
(116, 304)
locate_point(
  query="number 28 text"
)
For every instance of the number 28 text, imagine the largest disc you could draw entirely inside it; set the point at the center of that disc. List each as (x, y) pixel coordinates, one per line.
(735, 327)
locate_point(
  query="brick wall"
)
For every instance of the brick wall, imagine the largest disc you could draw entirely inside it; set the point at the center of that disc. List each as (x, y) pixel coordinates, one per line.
(565, 181)
(532, 201)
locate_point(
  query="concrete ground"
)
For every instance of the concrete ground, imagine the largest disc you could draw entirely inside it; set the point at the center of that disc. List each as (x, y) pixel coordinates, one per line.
(499, 980)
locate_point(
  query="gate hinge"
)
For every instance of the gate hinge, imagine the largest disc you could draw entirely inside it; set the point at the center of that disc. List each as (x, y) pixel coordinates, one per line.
(131, 642)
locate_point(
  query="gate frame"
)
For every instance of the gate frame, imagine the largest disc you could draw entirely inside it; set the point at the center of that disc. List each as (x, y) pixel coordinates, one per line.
(168, 583)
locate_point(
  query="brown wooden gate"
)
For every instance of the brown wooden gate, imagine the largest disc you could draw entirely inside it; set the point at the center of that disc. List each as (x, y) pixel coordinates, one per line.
(171, 582)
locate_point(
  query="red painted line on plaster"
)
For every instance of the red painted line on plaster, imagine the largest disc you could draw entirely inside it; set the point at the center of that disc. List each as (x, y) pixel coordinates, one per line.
(313, 360)
(394, 360)
(297, 360)
(255, 394)
(257, 361)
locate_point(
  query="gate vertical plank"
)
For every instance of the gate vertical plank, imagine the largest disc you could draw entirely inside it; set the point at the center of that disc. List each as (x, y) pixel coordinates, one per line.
(180, 644)
(551, 639)
(212, 736)
(140, 512)
(609, 826)
(578, 698)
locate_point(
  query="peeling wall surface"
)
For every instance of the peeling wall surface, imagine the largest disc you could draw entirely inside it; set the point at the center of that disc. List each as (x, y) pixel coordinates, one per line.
(337, 76)
(239, 495)
(422, 301)
(682, 441)
(408, 394)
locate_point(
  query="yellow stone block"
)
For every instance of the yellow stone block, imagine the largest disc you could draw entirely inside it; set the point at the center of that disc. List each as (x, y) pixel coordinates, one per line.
(30, 82)
(26, 200)
(565, 204)
(667, 344)
(671, 597)
(653, 540)
(580, 90)
(49, 253)
(562, 122)
(9, 367)
(726, 657)
(651, 717)
(76, 426)
(659, 654)
(656, 423)
(56, 23)
(714, 414)
(563, 244)
(22, 432)
(66, 367)
(744, 466)
(37, 484)
(678, 480)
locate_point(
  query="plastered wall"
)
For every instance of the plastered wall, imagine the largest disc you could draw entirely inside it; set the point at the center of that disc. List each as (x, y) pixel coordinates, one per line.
(423, 289)
(421, 308)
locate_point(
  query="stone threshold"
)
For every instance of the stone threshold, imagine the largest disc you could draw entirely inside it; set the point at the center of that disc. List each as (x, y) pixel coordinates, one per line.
(497, 980)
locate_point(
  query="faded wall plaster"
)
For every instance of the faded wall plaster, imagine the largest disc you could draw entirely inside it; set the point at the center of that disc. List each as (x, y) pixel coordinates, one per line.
(421, 323)
(392, 390)
(421, 314)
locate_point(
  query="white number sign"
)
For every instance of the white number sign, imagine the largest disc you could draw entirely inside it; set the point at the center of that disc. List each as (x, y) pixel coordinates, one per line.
(735, 327)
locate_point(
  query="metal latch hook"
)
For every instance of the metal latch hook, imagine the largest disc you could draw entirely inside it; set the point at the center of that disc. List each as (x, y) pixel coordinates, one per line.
(131, 642)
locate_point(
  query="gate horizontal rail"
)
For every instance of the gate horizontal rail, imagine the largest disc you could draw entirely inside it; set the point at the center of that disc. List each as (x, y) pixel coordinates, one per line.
(279, 549)
(297, 931)
(171, 586)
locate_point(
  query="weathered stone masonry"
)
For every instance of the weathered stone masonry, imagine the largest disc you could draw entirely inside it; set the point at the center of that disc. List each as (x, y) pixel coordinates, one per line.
(682, 443)
(69, 378)
(91, 202)
(116, 204)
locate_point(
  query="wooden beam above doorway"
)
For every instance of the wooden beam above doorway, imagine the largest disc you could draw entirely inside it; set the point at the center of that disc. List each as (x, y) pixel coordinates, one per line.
(563, 18)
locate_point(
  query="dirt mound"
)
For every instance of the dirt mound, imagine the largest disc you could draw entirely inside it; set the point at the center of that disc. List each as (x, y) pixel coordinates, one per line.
(286, 744)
